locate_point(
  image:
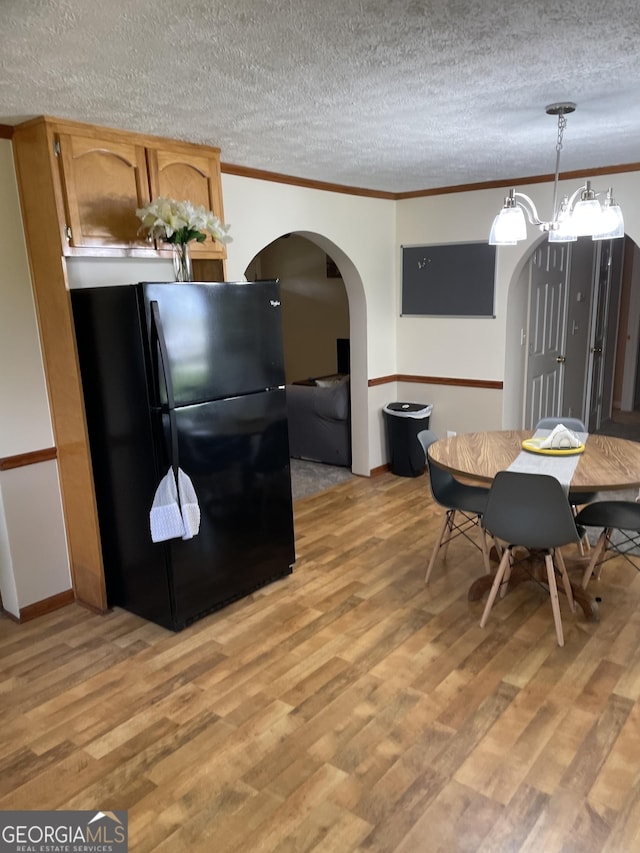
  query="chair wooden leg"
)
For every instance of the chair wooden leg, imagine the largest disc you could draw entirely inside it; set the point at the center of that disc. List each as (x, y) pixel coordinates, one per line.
(581, 549)
(504, 562)
(498, 547)
(595, 557)
(553, 592)
(607, 545)
(566, 583)
(436, 545)
(507, 576)
(584, 546)
(485, 549)
(451, 515)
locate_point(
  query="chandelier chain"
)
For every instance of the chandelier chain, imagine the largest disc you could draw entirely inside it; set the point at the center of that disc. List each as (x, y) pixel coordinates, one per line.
(562, 123)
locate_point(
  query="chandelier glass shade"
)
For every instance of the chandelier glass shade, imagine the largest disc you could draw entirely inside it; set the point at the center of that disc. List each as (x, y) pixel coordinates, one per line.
(580, 215)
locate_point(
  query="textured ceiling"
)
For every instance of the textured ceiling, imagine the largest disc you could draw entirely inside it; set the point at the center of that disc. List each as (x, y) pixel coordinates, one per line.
(393, 95)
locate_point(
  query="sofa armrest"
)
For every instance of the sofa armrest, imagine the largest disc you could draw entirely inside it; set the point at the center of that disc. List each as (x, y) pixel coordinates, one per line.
(319, 423)
(332, 402)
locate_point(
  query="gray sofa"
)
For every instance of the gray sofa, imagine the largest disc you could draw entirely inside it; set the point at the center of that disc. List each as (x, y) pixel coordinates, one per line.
(320, 423)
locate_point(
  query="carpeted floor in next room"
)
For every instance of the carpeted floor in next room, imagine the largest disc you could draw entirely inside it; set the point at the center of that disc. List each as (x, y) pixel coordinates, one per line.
(309, 478)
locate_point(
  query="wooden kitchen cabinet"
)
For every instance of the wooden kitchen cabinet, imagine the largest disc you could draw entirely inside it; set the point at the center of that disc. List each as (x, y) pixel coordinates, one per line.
(183, 174)
(101, 176)
(103, 181)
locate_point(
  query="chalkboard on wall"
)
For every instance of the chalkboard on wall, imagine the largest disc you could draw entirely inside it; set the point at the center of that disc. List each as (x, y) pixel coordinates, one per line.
(450, 280)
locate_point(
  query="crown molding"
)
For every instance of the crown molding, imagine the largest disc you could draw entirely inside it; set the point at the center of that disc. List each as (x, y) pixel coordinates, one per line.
(276, 177)
(262, 175)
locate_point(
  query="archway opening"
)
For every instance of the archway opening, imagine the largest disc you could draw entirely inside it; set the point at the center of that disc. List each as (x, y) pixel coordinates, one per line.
(315, 307)
(324, 320)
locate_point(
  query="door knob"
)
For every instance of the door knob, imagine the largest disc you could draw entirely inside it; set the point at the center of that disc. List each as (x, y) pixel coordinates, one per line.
(596, 349)
(561, 359)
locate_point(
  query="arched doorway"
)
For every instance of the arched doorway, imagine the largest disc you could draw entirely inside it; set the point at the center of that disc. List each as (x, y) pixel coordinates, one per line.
(355, 318)
(315, 307)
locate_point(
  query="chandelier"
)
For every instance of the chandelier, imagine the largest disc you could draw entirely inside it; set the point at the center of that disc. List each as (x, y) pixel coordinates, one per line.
(581, 214)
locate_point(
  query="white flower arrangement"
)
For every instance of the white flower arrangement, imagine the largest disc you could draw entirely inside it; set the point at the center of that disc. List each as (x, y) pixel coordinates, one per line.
(181, 222)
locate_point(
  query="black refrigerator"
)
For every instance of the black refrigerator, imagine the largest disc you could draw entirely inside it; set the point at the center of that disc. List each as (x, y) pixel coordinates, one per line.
(187, 376)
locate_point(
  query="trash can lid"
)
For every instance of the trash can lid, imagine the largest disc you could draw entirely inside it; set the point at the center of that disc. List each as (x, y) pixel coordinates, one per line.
(409, 410)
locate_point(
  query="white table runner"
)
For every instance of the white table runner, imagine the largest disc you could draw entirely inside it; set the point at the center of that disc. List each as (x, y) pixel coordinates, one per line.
(561, 467)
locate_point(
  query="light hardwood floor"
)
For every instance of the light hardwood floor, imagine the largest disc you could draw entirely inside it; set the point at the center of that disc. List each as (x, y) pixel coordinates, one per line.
(346, 708)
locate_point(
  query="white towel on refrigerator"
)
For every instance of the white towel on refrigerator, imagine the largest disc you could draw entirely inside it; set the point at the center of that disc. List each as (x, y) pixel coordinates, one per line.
(165, 517)
(188, 505)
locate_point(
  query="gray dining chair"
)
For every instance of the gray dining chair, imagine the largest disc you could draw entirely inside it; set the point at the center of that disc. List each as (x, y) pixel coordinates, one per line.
(620, 516)
(531, 511)
(464, 507)
(576, 499)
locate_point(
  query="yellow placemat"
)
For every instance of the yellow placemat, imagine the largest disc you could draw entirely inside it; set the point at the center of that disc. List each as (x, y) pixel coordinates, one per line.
(533, 446)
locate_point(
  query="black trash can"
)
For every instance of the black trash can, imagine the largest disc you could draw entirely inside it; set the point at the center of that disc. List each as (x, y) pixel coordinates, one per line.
(404, 422)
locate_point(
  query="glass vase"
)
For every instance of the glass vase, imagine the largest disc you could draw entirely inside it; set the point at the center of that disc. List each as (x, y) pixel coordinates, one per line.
(182, 262)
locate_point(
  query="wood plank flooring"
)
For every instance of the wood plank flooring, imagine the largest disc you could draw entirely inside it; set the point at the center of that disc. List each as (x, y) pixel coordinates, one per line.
(345, 708)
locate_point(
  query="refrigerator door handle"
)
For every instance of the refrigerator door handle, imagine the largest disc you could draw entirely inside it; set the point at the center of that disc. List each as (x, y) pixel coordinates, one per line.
(158, 333)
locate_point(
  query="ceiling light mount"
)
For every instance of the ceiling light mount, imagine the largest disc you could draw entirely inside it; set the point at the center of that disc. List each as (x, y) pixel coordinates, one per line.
(580, 214)
(563, 108)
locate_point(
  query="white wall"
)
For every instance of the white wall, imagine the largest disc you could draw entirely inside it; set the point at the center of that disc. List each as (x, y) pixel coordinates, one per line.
(34, 562)
(108, 272)
(35, 522)
(25, 424)
(362, 228)
(468, 348)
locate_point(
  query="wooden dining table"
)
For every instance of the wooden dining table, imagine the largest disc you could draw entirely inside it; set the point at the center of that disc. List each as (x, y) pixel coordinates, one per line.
(606, 464)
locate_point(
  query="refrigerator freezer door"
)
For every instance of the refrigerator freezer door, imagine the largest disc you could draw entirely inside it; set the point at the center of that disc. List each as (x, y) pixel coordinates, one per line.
(222, 339)
(122, 440)
(236, 453)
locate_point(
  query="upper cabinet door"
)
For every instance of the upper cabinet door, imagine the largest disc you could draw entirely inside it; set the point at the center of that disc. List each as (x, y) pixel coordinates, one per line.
(189, 176)
(104, 181)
